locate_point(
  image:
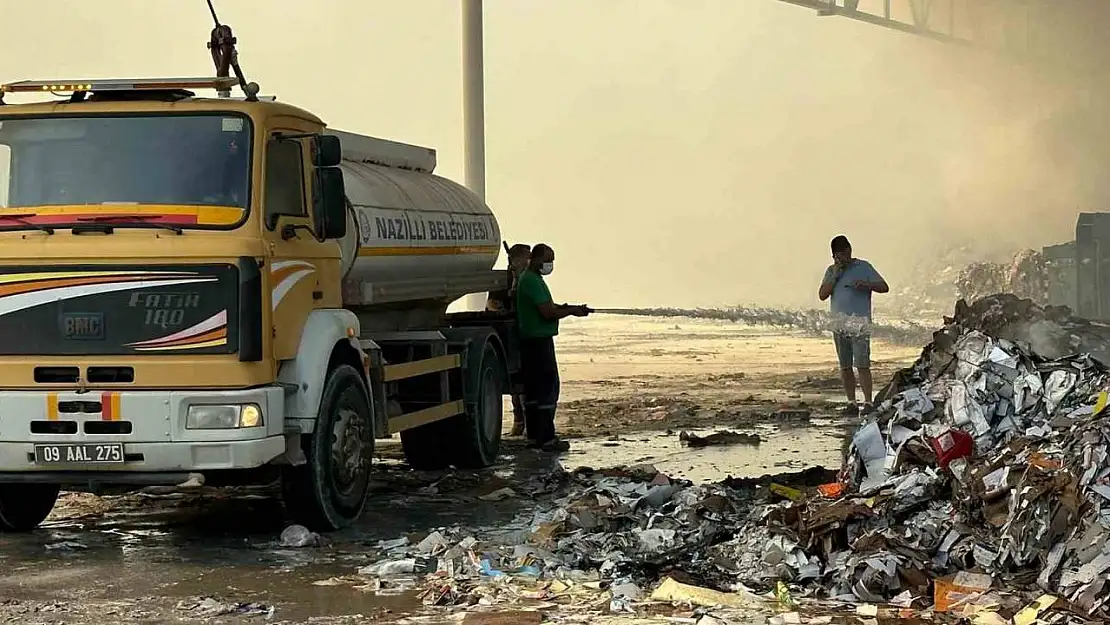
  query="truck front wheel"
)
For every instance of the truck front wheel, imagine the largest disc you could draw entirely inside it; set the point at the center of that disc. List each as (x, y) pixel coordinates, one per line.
(329, 491)
(24, 506)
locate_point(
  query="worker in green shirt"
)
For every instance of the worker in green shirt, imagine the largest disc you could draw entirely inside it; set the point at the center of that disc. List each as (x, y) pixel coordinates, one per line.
(538, 319)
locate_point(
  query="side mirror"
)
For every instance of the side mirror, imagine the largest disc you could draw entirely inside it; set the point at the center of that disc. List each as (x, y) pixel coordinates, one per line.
(326, 151)
(330, 204)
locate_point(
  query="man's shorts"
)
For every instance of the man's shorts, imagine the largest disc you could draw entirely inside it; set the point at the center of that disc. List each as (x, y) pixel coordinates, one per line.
(853, 350)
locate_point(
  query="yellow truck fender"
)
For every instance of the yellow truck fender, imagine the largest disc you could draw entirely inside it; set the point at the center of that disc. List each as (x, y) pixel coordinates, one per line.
(328, 334)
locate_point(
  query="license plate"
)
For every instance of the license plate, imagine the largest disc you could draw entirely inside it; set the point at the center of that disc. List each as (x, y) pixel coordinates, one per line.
(86, 453)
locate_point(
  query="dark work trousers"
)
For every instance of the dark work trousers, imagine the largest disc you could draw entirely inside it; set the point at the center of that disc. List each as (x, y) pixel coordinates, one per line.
(540, 373)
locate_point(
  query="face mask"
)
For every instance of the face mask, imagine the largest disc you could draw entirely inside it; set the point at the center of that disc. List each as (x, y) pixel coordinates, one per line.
(546, 269)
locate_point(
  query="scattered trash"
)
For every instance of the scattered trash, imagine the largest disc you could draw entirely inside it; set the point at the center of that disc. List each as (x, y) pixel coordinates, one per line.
(66, 545)
(958, 589)
(791, 414)
(1030, 613)
(786, 618)
(338, 581)
(499, 495)
(389, 568)
(676, 592)
(299, 536)
(209, 607)
(601, 541)
(793, 494)
(516, 617)
(389, 545)
(722, 437)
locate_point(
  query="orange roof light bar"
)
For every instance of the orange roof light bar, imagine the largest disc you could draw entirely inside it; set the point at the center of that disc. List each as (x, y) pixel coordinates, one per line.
(118, 84)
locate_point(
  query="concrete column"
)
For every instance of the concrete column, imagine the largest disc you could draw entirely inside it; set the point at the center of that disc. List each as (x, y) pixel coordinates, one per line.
(474, 123)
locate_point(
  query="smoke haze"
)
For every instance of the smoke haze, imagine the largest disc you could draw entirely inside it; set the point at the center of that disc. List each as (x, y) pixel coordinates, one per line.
(674, 152)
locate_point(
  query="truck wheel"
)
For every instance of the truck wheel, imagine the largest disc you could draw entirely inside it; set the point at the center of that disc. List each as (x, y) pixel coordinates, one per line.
(329, 491)
(477, 434)
(470, 440)
(24, 506)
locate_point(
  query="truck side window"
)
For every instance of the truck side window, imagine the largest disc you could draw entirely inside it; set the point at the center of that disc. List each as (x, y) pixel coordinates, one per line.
(284, 181)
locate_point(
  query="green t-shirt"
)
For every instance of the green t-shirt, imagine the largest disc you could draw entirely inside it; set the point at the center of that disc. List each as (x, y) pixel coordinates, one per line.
(531, 291)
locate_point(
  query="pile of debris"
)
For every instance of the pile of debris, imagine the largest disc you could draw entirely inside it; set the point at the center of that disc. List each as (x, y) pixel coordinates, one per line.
(965, 273)
(613, 529)
(602, 544)
(986, 466)
(927, 290)
(981, 279)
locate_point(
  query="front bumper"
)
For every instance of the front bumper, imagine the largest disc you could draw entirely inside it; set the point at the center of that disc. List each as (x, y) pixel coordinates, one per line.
(149, 424)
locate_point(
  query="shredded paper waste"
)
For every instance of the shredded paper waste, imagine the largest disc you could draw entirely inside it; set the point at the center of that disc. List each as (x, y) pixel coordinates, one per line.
(978, 489)
(983, 473)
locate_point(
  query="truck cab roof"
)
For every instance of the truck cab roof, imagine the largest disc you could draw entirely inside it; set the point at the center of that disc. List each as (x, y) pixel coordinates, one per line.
(141, 95)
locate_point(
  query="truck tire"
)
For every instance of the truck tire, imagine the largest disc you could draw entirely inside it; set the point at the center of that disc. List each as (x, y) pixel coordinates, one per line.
(24, 506)
(471, 440)
(476, 435)
(329, 491)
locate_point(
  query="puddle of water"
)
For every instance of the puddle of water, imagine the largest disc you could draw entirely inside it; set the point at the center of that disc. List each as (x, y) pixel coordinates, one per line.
(294, 593)
(170, 567)
(780, 451)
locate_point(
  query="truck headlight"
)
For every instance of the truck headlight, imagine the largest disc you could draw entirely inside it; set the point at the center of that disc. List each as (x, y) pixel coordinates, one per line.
(223, 416)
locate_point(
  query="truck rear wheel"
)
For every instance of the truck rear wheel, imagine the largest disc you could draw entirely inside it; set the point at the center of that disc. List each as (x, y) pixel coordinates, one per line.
(329, 491)
(477, 434)
(470, 440)
(24, 506)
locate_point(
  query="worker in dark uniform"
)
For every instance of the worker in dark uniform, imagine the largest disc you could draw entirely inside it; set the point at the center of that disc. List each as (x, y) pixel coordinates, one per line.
(538, 317)
(505, 301)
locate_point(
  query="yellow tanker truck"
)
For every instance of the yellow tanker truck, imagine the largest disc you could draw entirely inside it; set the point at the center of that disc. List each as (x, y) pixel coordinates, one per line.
(224, 289)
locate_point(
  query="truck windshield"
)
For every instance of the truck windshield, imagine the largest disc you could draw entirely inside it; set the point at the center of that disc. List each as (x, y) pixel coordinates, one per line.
(153, 168)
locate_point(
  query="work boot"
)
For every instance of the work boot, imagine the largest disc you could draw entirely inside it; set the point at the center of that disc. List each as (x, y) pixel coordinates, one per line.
(555, 445)
(850, 410)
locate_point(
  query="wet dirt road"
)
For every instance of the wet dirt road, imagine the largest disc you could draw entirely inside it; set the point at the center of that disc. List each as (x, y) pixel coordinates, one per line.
(630, 386)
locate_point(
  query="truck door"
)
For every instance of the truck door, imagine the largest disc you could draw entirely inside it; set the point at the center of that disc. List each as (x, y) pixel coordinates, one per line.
(303, 273)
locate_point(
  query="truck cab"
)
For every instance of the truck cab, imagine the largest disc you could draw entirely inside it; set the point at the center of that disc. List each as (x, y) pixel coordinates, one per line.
(171, 307)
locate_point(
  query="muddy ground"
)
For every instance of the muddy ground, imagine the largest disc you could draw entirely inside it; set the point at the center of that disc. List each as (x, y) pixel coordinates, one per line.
(630, 387)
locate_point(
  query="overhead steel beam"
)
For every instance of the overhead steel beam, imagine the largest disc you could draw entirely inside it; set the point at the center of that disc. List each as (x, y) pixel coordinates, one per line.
(921, 18)
(1055, 34)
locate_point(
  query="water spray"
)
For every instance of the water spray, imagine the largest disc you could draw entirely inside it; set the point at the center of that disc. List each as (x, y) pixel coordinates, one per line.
(811, 321)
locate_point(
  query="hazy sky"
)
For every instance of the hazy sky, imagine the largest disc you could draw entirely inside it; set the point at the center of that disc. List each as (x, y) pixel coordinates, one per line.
(679, 152)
